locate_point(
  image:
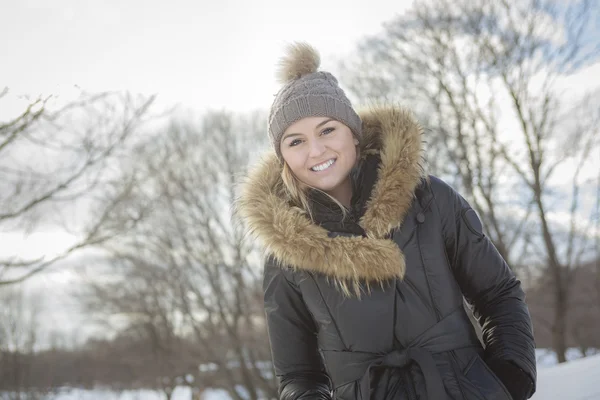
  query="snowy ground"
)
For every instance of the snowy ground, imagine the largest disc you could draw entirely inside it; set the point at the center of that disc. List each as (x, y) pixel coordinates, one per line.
(575, 380)
(579, 379)
(181, 393)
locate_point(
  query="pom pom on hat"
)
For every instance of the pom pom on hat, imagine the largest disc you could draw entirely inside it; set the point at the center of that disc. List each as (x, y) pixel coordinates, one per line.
(300, 59)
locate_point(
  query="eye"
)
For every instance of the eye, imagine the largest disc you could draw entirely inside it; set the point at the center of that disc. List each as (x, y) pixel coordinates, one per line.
(295, 142)
(327, 131)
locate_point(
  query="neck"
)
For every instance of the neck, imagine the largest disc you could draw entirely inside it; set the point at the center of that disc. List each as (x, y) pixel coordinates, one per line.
(343, 192)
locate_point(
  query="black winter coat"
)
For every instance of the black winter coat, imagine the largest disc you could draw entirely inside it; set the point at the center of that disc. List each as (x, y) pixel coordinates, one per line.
(371, 305)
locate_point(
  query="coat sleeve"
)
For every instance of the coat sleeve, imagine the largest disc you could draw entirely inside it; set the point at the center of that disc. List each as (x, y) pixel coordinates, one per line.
(293, 338)
(487, 282)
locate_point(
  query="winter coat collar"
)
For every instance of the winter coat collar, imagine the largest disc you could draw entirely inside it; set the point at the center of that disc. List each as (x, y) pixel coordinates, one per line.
(295, 241)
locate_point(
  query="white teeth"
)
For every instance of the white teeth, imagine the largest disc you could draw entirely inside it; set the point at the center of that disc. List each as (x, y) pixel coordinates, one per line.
(323, 166)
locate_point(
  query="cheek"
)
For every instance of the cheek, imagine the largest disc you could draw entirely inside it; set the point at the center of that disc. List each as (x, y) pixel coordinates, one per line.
(294, 160)
(351, 152)
(346, 146)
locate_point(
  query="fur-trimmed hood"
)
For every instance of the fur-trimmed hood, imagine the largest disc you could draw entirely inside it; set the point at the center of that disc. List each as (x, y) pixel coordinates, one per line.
(289, 235)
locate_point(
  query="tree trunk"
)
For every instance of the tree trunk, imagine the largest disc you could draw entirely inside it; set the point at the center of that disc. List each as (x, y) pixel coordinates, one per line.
(559, 328)
(560, 274)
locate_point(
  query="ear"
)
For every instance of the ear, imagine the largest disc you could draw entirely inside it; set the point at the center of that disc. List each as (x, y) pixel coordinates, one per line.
(355, 141)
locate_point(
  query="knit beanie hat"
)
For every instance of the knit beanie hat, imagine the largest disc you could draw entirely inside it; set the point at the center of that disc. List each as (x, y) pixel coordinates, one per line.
(307, 92)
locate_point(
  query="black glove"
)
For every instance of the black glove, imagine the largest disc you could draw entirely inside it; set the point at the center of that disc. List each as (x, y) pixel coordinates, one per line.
(517, 381)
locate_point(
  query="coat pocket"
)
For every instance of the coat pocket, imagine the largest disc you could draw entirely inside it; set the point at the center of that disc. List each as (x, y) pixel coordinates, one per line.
(487, 383)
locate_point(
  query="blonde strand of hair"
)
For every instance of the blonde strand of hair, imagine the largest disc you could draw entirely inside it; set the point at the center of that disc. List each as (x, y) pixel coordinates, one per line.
(298, 192)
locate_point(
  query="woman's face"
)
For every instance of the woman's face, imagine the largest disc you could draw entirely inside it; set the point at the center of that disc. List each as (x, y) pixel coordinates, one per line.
(321, 152)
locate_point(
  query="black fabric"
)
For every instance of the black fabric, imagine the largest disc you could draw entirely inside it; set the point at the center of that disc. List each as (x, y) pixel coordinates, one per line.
(388, 343)
(300, 370)
(351, 366)
(487, 283)
(305, 385)
(517, 382)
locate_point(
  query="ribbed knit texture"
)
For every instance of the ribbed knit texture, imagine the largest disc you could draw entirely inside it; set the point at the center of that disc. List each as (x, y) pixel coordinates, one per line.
(313, 95)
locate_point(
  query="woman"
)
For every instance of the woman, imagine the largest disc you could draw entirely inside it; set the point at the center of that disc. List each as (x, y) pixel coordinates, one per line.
(369, 259)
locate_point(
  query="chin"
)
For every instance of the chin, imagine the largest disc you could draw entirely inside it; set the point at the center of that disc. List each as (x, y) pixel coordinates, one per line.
(326, 187)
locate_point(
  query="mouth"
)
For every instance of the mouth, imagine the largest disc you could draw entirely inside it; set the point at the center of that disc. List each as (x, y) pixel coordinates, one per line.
(323, 166)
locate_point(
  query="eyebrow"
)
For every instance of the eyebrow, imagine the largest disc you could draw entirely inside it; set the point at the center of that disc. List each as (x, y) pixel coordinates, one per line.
(320, 124)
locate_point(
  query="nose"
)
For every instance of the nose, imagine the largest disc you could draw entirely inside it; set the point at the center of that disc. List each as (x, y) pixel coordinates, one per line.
(316, 148)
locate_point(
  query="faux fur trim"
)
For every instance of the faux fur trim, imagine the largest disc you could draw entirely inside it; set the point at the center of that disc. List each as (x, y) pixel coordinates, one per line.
(293, 239)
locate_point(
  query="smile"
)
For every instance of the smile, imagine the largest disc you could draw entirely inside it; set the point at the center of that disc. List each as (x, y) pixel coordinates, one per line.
(323, 166)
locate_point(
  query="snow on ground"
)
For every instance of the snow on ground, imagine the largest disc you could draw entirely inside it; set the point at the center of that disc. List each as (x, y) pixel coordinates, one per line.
(180, 393)
(574, 380)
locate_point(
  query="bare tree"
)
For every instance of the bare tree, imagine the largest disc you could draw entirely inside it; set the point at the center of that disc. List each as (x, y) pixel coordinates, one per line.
(141, 299)
(525, 53)
(52, 161)
(597, 222)
(187, 252)
(420, 59)
(19, 335)
(486, 75)
(582, 312)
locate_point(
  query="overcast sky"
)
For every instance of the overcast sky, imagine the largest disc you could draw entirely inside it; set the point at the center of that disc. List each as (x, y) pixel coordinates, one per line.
(217, 54)
(199, 54)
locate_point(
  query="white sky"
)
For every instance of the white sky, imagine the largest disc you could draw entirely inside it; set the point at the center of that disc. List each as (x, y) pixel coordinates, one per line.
(199, 54)
(216, 54)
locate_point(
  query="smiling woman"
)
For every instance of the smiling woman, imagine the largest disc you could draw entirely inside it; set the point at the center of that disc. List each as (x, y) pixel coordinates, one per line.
(364, 298)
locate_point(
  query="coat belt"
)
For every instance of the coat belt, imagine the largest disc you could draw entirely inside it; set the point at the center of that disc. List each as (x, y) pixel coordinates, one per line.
(451, 333)
(401, 358)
